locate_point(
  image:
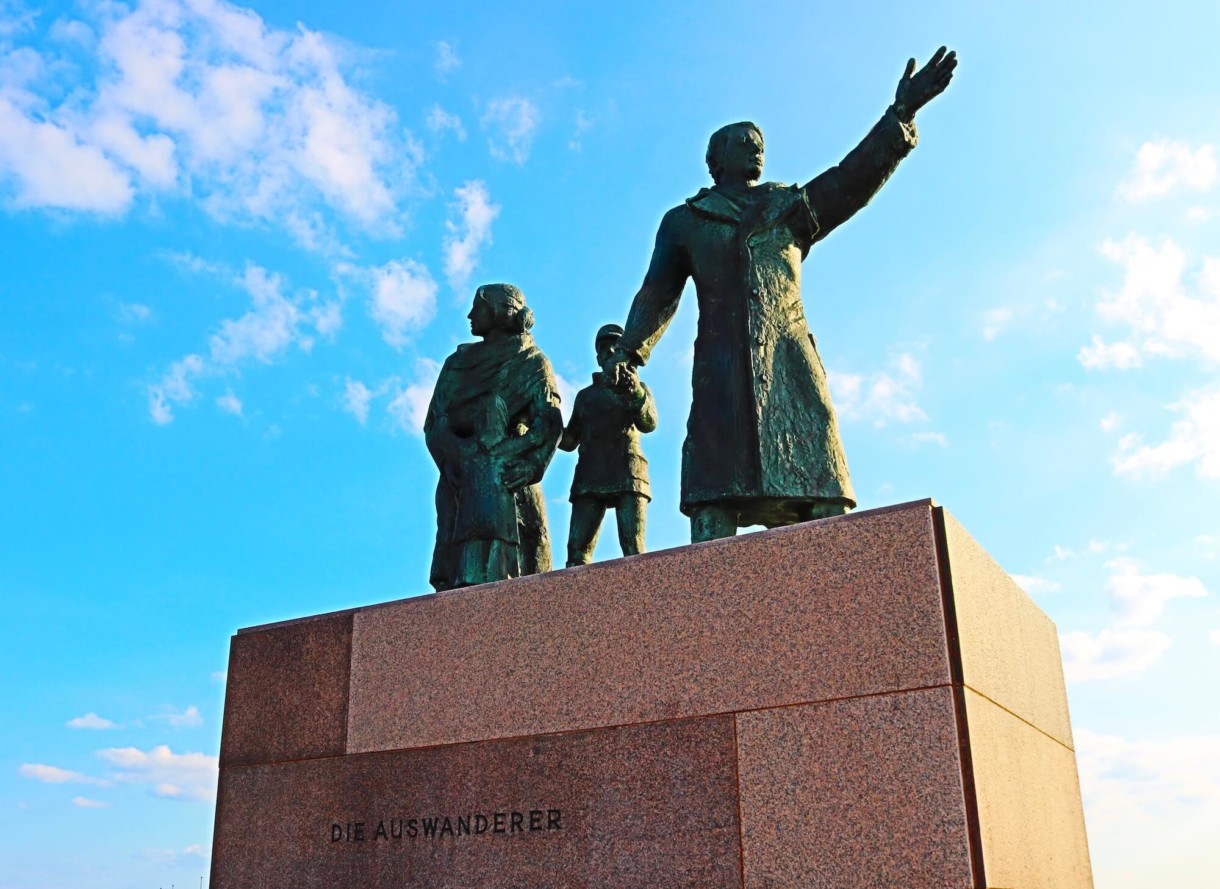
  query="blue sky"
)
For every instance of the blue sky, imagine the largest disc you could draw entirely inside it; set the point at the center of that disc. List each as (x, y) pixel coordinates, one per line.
(237, 241)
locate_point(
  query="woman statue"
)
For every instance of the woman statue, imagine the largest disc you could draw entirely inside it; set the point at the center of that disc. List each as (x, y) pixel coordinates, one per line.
(492, 428)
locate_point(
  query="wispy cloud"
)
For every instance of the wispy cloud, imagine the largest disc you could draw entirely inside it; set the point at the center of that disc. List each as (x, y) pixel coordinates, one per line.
(995, 320)
(201, 98)
(1165, 166)
(512, 122)
(356, 400)
(1137, 600)
(1037, 586)
(446, 60)
(1165, 313)
(55, 775)
(1099, 355)
(1111, 653)
(469, 232)
(440, 121)
(1122, 778)
(409, 407)
(83, 802)
(91, 721)
(170, 856)
(230, 404)
(1194, 439)
(188, 718)
(880, 398)
(275, 321)
(403, 299)
(185, 776)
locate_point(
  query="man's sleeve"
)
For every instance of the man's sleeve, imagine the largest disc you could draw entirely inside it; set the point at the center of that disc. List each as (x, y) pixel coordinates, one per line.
(657, 300)
(646, 412)
(836, 195)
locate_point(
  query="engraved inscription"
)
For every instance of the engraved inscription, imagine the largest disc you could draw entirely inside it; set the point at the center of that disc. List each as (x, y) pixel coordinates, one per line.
(437, 827)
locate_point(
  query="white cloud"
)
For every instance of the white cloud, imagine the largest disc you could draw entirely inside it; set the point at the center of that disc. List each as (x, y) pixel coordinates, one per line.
(882, 397)
(447, 59)
(134, 313)
(403, 299)
(1036, 586)
(188, 718)
(270, 325)
(202, 98)
(230, 404)
(188, 776)
(1214, 637)
(55, 775)
(995, 320)
(91, 721)
(82, 802)
(356, 399)
(1060, 554)
(1110, 421)
(581, 125)
(169, 856)
(467, 236)
(1100, 355)
(1195, 439)
(176, 387)
(50, 166)
(1139, 599)
(439, 120)
(1111, 653)
(274, 322)
(512, 122)
(1164, 166)
(937, 438)
(1165, 315)
(409, 408)
(1146, 779)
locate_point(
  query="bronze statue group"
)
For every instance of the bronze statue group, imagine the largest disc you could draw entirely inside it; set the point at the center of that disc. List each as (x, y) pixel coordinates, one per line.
(762, 444)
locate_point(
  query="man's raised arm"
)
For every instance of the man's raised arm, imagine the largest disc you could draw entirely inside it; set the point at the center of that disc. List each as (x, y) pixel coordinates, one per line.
(836, 195)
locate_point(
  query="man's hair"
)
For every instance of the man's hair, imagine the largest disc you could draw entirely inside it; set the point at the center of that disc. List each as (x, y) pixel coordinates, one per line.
(720, 141)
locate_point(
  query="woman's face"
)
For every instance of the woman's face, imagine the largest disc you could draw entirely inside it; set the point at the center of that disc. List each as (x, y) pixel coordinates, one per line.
(482, 316)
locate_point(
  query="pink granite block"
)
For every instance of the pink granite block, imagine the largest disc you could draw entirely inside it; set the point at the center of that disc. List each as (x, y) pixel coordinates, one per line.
(644, 806)
(1009, 648)
(858, 793)
(829, 609)
(287, 692)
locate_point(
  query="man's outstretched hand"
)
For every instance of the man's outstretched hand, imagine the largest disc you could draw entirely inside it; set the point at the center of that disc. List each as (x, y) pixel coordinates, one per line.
(918, 88)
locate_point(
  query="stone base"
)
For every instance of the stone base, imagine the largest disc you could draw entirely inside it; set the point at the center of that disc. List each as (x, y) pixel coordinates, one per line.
(861, 701)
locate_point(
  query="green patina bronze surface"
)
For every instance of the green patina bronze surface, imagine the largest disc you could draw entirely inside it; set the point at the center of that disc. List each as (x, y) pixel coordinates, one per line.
(611, 472)
(492, 427)
(762, 443)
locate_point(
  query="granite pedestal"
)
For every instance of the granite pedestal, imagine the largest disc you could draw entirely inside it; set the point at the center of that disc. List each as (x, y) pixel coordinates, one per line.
(864, 701)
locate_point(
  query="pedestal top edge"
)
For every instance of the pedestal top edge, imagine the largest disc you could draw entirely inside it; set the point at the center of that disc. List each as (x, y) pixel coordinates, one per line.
(862, 515)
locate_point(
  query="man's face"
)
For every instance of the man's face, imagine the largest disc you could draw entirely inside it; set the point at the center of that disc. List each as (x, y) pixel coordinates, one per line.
(743, 156)
(482, 317)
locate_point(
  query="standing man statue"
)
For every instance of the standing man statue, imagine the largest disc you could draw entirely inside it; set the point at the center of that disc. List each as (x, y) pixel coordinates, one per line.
(492, 427)
(762, 444)
(611, 471)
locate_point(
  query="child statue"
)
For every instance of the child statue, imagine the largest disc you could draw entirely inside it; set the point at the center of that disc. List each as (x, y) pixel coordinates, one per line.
(611, 471)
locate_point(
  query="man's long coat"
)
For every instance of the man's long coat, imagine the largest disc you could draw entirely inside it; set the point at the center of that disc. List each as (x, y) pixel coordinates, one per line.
(761, 435)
